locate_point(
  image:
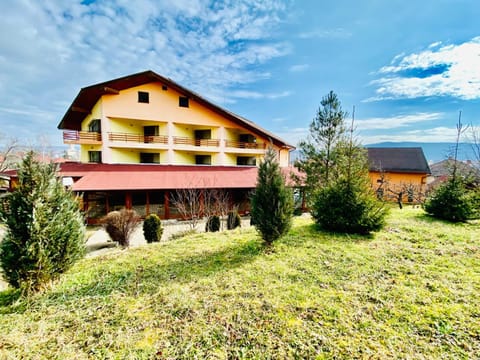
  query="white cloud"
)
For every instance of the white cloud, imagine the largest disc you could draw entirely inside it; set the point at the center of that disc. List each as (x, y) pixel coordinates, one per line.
(337, 33)
(450, 70)
(243, 94)
(437, 134)
(298, 67)
(293, 135)
(395, 121)
(54, 48)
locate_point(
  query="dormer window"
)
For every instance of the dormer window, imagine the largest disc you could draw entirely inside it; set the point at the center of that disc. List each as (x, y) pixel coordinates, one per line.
(183, 101)
(143, 97)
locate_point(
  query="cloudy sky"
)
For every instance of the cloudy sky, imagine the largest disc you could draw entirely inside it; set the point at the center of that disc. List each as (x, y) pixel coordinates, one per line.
(407, 66)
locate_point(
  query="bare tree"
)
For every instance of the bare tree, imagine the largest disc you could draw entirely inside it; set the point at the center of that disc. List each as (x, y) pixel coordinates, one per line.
(475, 138)
(8, 157)
(189, 204)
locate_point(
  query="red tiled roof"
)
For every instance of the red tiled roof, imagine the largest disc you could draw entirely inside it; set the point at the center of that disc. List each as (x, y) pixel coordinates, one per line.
(103, 177)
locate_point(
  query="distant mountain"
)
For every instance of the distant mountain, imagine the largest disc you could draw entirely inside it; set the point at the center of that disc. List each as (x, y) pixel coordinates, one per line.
(434, 152)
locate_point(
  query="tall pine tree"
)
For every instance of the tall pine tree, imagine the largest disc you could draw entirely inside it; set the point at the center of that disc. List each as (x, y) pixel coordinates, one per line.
(339, 192)
(272, 202)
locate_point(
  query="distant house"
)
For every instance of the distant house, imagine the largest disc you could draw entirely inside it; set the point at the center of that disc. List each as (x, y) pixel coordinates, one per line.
(442, 170)
(142, 137)
(399, 173)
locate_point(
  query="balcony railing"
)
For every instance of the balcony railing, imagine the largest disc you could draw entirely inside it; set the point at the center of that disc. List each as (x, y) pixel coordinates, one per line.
(177, 140)
(150, 139)
(81, 137)
(244, 145)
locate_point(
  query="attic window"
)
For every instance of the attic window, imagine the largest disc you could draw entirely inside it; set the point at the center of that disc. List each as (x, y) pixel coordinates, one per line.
(183, 101)
(143, 97)
(164, 87)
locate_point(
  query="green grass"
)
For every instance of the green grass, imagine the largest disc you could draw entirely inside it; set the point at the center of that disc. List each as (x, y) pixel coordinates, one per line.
(411, 291)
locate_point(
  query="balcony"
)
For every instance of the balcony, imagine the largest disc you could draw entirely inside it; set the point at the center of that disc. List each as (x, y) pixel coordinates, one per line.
(177, 140)
(244, 145)
(81, 137)
(135, 138)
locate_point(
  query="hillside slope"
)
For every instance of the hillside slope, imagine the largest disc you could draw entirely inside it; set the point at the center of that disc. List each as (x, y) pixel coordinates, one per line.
(410, 291)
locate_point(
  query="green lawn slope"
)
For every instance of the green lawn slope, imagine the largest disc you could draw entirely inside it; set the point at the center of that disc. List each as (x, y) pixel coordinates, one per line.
(411, 291)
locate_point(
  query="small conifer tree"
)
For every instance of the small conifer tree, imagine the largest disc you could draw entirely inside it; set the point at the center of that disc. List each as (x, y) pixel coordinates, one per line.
(213, 224)
(272, 201)
(152, 228)
(452, 201)
(233, 220)
(45, 228)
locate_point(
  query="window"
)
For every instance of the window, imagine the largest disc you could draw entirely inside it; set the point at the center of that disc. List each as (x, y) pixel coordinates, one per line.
(149, 132)
(183, 101)
(203, 134)
(149, 158)
(203, 159)
(143, 97)
(95, 156)
(94, 126)
(164, 87)
(247, 138)
(246, 160)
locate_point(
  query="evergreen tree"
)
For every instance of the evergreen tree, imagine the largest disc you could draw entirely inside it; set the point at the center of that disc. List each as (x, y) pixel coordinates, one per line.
(339, 191)
(45, 229)
(452, 201)
(152, 228)
(319, 151)
(272, 202)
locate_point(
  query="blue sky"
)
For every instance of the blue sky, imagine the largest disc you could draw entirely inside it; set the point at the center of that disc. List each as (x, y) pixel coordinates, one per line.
(407, 66)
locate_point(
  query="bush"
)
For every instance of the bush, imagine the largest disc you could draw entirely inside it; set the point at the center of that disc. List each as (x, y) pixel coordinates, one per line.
(213, 224)
(346, 207)
(120, 225)
(451, 202)
(233, 220)
(272, 202)
(45, 228)
(152, 228)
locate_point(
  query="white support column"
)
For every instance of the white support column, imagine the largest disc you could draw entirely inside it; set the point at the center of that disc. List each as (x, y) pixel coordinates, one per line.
(105, 126)
(170, 151)
(221, 154)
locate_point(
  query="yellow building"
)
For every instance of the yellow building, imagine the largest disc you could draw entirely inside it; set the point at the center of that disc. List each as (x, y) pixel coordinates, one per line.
(142, 137)
(146, 118)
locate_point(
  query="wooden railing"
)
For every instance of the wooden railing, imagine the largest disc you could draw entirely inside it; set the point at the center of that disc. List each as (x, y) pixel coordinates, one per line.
(177, 140)
(81, 137)
(244, 145)
(125, 137)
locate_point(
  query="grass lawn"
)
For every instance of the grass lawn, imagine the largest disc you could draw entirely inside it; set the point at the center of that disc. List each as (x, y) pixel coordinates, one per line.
(411, 291)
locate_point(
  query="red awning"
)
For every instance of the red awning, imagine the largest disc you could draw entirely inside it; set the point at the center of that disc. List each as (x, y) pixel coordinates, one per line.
(199, 178)
(104, 177)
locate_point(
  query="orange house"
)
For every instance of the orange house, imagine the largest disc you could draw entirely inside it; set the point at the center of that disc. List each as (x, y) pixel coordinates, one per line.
(399, 174)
